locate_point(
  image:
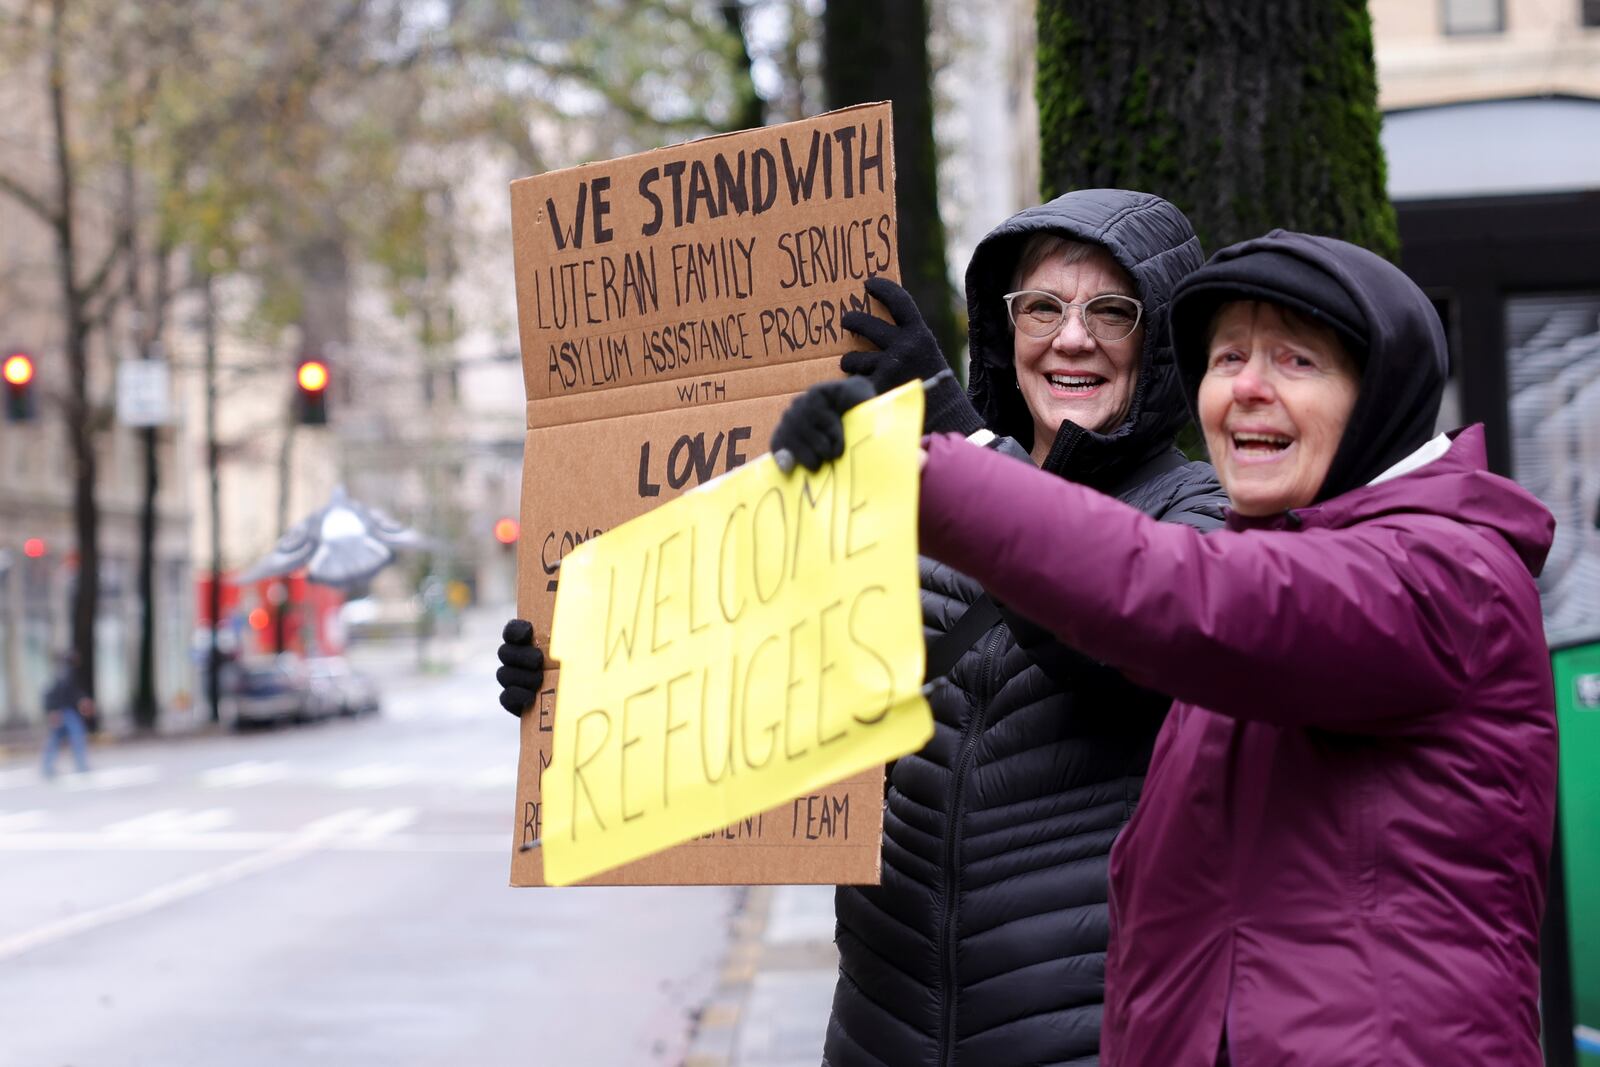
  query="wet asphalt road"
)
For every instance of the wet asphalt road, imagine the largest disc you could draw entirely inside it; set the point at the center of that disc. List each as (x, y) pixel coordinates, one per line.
(330, 894)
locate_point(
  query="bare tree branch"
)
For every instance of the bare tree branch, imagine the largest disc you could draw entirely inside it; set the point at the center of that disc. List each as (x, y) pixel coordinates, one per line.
(29, 199)
(96, 284)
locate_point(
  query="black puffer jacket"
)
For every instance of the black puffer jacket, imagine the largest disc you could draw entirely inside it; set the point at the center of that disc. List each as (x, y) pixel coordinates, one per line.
(985, 943)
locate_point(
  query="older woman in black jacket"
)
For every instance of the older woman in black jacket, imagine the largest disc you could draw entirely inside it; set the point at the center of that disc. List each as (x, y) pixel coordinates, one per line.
(985, 942)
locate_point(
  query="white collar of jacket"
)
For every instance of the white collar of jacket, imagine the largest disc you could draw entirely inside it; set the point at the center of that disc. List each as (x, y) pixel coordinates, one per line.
(1430, 451)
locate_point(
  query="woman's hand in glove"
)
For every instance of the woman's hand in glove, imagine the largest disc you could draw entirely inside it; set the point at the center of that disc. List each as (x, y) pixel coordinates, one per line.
(906, 351)
(812, 430)
(522, 667)
(906, 347)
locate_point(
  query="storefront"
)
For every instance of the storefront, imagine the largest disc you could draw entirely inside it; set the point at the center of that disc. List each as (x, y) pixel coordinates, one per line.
(1499, 212)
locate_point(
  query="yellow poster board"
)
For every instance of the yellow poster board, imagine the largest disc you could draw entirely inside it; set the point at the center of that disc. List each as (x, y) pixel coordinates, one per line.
(755, 639)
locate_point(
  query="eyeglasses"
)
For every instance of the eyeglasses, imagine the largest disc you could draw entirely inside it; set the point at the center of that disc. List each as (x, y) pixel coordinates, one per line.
(1108, 317)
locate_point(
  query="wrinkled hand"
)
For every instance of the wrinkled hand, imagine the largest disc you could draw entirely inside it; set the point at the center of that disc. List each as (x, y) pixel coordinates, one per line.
(812, 430)
(522, 670)
(906, 347)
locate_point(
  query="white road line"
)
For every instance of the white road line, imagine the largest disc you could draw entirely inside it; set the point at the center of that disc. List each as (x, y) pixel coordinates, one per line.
(113, 778)
(242, 775)
(12, 821)
(385, 823)
(376, 776)
(300, 844)
(182, 830)
(502, 776)
(171, 821)
(252, 841)
(19, 777)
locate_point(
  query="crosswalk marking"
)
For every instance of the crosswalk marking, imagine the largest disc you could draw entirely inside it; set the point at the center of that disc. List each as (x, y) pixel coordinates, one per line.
(385, 823)
(249, 774)
(241, 775)
(376, 776)
(338, 822)
(18, 777)
(210, 830)
(500, 776)
(113, 778)
(169, 822)
(12, 821)
(290, 847)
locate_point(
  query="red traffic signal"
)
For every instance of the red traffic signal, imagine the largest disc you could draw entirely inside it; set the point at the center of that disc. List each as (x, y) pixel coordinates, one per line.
(311, 383)
(506, 531)
(18, 374)
(33, 548)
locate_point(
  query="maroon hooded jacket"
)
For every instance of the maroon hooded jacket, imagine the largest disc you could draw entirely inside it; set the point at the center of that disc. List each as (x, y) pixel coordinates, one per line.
(1340, 857)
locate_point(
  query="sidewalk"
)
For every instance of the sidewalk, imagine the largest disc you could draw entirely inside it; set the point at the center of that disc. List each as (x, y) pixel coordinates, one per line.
(395, 664)
(771, 1008)
(24, 742)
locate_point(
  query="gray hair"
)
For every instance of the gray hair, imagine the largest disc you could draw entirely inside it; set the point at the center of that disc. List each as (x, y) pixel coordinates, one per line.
(1040, 247)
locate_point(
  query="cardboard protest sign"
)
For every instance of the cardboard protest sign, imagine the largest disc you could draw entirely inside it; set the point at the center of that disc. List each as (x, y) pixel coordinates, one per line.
(753, 640)
(669, 305)
(828, 835)
(679, 279)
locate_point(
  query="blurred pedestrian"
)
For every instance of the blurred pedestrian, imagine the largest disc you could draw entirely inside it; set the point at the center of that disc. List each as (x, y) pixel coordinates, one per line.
(67, 708)
(1341, 852)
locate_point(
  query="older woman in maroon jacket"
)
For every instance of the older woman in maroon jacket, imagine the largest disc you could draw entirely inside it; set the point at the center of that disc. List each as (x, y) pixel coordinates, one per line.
(1340, 855)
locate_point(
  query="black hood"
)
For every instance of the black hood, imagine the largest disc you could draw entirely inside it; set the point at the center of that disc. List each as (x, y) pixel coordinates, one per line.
(1154, 243)
(1387, 322)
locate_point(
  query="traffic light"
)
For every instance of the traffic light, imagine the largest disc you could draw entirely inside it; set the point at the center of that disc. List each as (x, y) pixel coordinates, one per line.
(18, 373)
(506, 531)
(311, 403)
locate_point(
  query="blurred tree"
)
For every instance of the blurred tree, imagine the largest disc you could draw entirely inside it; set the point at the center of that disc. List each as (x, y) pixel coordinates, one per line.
(47, 41)
(878, 50)
(288, 141)
(751, 110)
(1247, 114)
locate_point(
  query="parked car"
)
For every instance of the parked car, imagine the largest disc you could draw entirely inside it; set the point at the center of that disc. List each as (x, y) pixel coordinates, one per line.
(269, 690)
(338, 688)
(325, 696)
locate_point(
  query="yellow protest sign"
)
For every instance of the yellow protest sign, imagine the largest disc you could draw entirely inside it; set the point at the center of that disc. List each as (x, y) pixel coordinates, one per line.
(754, 639)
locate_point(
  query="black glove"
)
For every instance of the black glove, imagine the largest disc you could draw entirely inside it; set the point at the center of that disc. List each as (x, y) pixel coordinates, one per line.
(907, 351)
(812, 430)
(522, 672)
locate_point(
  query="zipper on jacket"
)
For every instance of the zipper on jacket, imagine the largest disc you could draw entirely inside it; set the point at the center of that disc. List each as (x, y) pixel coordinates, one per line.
(947, 921)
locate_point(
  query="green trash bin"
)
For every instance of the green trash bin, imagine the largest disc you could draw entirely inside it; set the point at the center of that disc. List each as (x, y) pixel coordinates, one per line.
(1576, 667)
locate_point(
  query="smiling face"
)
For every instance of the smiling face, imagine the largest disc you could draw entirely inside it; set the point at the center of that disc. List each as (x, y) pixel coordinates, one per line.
(1277, 393)
(1072, 374)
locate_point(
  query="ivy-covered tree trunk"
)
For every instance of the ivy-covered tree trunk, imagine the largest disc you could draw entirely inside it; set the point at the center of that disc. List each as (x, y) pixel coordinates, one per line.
(878, 50)
(1247, 114)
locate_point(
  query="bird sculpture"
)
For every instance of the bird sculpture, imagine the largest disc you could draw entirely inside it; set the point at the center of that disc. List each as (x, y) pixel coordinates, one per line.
(342, 544)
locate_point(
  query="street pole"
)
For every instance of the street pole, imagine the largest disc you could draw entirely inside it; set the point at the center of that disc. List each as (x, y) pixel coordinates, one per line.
(283, 606)
(214, 480)
(145, 706)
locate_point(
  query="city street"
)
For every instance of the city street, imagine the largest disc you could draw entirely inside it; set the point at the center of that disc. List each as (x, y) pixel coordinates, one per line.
(327, 894)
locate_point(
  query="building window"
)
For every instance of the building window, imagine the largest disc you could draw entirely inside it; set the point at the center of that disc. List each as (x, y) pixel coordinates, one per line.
(1590, 12)
(1476, 16)
(1551, 339)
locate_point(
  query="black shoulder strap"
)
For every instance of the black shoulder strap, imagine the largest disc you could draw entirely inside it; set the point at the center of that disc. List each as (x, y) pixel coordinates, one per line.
(953, 644)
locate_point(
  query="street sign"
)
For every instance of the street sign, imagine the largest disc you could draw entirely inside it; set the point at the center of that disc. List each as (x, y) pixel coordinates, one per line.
(144, 393)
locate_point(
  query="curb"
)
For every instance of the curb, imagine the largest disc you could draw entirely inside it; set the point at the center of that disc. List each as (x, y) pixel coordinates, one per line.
(716, 1031)
(27, 746)
(777, 983)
